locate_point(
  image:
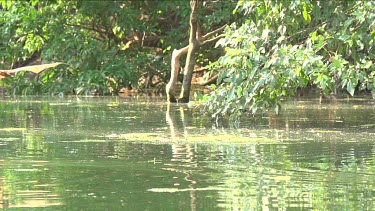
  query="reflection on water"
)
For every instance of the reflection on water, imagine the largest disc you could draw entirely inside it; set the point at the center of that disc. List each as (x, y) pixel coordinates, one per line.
(21, 188)
(143, 154)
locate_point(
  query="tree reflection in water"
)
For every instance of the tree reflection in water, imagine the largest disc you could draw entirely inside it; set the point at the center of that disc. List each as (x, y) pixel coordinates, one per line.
(182, 152)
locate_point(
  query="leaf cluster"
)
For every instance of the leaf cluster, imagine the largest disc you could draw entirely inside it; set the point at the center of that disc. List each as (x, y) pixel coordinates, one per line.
(284, 45)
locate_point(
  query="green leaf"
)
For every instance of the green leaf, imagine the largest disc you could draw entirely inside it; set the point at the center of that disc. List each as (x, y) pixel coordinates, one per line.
(336, 63)
(305, 14)
(344, 37)
(281, 29)
(350, 42)
(350, 87)
(231, 93)
(239, 91)
(367, 64)
(348, 22)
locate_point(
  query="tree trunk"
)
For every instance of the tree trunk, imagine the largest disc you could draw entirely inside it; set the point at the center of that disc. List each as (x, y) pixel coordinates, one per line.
(175, 68)
(195, 41)
(190, 59)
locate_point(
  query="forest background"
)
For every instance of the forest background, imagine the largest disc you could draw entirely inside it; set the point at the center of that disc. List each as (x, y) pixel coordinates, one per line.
(261, 51)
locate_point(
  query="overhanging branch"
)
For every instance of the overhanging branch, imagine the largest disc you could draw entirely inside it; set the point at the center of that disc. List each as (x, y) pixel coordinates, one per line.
(209, 34)
(211, 40)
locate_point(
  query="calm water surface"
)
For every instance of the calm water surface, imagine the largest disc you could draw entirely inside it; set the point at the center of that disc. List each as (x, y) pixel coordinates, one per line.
(141, 154)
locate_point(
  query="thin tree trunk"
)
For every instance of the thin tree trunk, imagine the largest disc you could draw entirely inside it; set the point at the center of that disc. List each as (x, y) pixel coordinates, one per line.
(190, 59)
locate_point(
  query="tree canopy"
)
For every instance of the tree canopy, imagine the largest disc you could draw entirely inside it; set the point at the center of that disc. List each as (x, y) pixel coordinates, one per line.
(269, 49)
(107, 45)
(285, 45)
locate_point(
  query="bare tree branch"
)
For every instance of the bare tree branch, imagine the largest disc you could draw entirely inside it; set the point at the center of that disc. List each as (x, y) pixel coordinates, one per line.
(209, 34)
(209, 81)
(211, 40)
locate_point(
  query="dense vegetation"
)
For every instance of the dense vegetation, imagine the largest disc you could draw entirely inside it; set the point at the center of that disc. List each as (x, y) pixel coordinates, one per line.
(107, 45)
(270, 48)
(285, 45)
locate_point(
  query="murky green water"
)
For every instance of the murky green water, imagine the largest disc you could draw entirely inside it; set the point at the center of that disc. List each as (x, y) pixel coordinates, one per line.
(140, 154)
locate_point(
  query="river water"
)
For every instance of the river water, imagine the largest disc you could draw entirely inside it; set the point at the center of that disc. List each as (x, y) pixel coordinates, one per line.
(113, 153)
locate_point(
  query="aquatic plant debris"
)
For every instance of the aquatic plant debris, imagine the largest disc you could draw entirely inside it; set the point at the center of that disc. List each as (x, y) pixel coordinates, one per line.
(368, 125)
(10, 129)
(86, 141)
(230, 138)
(9, 139)
(174, 190)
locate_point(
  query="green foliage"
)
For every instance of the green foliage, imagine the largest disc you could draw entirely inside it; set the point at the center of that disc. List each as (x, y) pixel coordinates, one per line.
(271, 49)
(107, 44)
(283, 45)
